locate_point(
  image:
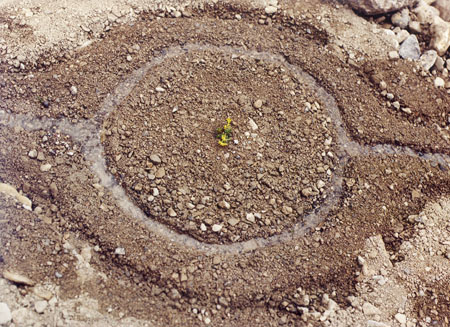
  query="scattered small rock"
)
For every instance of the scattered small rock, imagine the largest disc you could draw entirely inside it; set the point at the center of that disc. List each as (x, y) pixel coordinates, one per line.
(233, 221)
(45, 167)
(216, 228)
(160, 173)
(250, 217)
(393, 55)
(73, 90)
(401, 18)
(439, 82)
(401, 318)
(270, 10)
(258, 104)
(428, 59)
(17, 278)
(370, 310)
(252, 124)
(171, 212)
(155, 159)
(33, 154)
(224, 205)
(120, 251)
(40, 306)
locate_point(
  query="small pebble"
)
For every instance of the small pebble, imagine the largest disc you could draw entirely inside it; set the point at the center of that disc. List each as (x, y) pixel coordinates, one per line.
(73, 90)
(270, 10)
(224, 204)
(33, 154)
(40, 306)
(250, 217)
(45, 167)
(216, 228)
(439, 82)
(258, 104)
(155, 159)
(171, 212)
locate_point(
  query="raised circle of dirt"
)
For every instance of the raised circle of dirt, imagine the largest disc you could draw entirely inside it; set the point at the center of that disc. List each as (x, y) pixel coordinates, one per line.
(161, 145)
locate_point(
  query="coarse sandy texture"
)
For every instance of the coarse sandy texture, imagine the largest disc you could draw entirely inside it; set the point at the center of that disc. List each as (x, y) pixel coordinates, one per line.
(80, 128)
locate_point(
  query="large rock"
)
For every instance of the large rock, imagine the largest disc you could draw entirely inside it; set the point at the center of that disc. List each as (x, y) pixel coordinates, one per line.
(375, 7)
(440, 35)
(425, 13)
(444, 8)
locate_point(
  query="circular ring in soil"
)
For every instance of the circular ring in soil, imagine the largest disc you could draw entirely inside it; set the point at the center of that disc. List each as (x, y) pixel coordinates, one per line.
(160, 143)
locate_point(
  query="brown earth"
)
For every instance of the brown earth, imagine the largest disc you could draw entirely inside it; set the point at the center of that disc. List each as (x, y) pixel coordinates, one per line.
(137, 272)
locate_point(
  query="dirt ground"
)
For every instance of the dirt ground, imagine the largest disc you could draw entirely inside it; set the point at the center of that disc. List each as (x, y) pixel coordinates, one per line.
(329, 206)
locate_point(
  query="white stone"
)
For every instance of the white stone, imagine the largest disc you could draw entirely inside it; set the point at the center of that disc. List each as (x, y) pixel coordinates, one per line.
(393, 55)
(401, 318)
(171, 212)
(252, 124)
(120, 251)
(401, 18)
(402, 36)
(45, 167)
(428, 59)
(159, 89)
(270, 10)
(32, 154)
(5, 314)
(439, 82)
(216, 228)
(375, 7)
(370, 310)
(250, 217)
(73, 90)
(40, 306)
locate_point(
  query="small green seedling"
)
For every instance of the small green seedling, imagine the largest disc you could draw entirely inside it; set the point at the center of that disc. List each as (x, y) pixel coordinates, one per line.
(224, 133)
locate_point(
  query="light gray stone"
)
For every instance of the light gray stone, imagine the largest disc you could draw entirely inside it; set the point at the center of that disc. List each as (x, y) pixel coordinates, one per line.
(370, 310)
(401, 18)
(410, 49)
(40, 306)
(375, 7)
(270, 10)
(425, 13)
(428, 59)
(5, 314)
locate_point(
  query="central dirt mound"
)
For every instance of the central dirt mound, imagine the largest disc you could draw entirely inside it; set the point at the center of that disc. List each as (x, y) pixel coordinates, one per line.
(162, 145)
